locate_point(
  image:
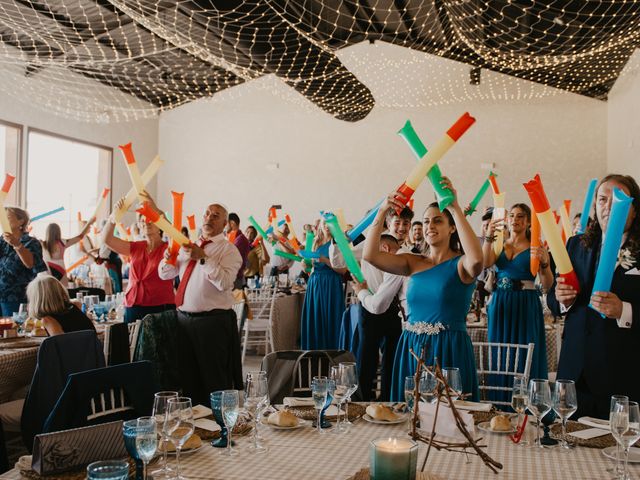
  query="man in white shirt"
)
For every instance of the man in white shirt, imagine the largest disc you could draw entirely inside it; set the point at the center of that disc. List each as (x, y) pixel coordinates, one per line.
(208, 339)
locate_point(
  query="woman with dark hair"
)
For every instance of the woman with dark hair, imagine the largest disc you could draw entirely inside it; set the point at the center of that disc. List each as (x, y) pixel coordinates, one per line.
(53, 248)
(20, 261)
(515, 311)
(258, 256)
(601, 335)
(439, 291)
(147, 293)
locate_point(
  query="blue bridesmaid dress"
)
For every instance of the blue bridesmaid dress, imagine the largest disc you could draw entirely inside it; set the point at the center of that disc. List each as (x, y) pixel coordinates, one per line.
(437, 300)
(323, 307)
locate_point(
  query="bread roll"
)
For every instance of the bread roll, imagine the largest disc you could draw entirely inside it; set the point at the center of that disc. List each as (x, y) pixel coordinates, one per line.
(381, 412)
(500, 423)
(283, 418)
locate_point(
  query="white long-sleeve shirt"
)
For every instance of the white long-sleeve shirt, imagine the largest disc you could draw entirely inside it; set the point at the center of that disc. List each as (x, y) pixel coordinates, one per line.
(211, 283)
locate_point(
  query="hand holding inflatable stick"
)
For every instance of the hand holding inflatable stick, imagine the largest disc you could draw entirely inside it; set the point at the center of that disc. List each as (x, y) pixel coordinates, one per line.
(177, 198)
(6, 186)
(499, 213)
(536, 242)
(132, 195)
(481, 193)
(541, 206)
(259, 229)
(150, 214)
(343, 244)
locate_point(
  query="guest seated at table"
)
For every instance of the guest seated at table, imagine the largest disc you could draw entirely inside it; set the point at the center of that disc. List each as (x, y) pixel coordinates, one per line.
(146, 293)
(600, 342)
(20, 261)
(439, 291)
(54, 246)
(49, 302)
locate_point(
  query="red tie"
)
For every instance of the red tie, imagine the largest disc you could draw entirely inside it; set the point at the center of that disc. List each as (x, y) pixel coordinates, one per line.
(182, 288)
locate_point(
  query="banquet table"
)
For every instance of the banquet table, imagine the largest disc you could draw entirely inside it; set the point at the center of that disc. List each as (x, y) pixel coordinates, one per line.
(286, 321)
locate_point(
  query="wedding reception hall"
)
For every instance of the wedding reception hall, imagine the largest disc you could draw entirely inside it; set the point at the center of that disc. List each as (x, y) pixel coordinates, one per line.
(325, 240)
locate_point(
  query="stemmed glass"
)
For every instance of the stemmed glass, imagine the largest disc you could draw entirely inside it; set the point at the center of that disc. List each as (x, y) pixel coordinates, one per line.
(146, 441)
(130, 433)
(565, 404)
(452, 376)
(256, 395)
(160, 406)
(539, 402)
(230, 411)
(178, 425)
(409, 390)
(340, 392)
(629, 435)
(618, 402)
(319, 387)
(428, 387)
(520, 399)
(350, 373)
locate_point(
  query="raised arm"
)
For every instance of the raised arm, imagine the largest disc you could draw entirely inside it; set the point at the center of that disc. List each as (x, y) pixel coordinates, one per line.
(118, 245)
(388, 262)
(72, 241)
(488, 252)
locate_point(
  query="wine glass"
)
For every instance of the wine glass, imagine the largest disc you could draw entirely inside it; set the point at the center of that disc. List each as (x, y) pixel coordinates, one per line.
(519, 399)
(428, 387)
(160, 406)
(340, 393)
(230, 410)
(565, 404)
(23, 311)
(626, 414)
(256, 395)
(319, 393)
(130, 433)
(146, 441)
(539, 402)
(409, 390)
(178, 425)
(452, 376)
(622, 400)
(351, 372)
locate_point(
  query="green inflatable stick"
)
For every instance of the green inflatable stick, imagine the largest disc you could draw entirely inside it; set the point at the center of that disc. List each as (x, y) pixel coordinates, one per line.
(288, 255)
(343, 245)
(259, 229)
(476, 200)
(308, 246)
(444, 196)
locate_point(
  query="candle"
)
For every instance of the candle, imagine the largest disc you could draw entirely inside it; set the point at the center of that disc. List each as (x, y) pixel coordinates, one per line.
(393, 459)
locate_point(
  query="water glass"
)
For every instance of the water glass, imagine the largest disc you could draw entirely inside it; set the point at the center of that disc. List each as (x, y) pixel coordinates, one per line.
(342, 381)
(351, 373)
(520, 399)
(146, 441)
(539, 402)
(319, 387)
(428, 387)
(130, 433)
(108, 470)
(160, 407)
(178, 425)
(617, 403)
(454, 380)
(256, 397)
(565, 404)
(630, 436)
(230, 412)
(409, 391)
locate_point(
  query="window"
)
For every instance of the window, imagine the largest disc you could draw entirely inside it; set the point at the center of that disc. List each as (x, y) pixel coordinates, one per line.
(9, 156)
(63, 172)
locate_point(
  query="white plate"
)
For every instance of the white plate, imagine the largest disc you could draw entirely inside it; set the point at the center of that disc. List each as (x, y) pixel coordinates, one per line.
(191, 450)
(634, 454)
(402, 417)
(301, 423)
(486, 427)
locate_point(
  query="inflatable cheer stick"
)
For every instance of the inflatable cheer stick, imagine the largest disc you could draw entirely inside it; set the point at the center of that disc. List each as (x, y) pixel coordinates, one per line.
(425, 164)
(269, 230)
(444, 196)
(288, 255)
(308, 246)
(612, 241)
(294, 239)
(343, 245)
(478, 198)
(132, 194)
(177, 198)
(121, 231)
(536, 241)
(499, 213)
(363, 224)
(132, 168)
(77, 264)
(162, 223)
(46, 214)
(259, 229)
(6, 186)
(191, 221)
(586, 208)
(339, 213)
(550, 230)
(564, 217)
(102, 202)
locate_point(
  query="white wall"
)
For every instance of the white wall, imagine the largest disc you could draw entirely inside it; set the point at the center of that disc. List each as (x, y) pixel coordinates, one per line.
(221, 151)
(623, 143)
(143, 134)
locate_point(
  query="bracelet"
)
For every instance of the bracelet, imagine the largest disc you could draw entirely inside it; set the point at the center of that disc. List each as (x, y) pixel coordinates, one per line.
(19, 247)
(544, 265)
(490, 239)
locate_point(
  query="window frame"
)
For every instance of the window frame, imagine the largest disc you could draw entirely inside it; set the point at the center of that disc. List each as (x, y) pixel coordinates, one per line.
(15, 196)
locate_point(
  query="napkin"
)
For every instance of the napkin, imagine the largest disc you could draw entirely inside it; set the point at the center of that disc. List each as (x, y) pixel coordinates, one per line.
(206, 424)
(446, 423)
(595, 422)
(472, 406)
(297, 401)
(200, 411)
(589, 433)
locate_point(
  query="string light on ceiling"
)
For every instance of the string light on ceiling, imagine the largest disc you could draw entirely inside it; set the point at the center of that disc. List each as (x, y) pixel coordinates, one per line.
(117, 60)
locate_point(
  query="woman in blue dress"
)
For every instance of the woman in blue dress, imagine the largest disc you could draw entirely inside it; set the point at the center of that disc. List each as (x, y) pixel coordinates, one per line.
(515, 310)
(438, 294)
(324, 300)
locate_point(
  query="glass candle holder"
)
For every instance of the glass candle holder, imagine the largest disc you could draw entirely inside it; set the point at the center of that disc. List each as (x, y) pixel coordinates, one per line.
(393, 459)
(108, 470)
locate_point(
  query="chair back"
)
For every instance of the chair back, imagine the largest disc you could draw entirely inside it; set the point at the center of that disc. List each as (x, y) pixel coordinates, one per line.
(238, 309)
(58, 357)
(134, 332)
(261, 302)
(498, 364)
(116, 344)
(290, 372)
(102, 395)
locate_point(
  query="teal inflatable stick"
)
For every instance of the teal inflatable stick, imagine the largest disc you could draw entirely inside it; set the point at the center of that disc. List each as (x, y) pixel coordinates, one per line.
(586, 209)
(343, 245)
(259, 229)
(288, 255)
(444, 196)
(476, 200)
(46, 214)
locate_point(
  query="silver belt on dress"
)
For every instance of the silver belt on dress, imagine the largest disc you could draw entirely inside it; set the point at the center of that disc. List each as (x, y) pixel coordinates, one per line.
(420, 328)
(506, 283)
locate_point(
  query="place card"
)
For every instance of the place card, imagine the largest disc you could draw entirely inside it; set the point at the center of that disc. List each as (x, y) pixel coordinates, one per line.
(207, 424)
(589, 433)
(200, 411)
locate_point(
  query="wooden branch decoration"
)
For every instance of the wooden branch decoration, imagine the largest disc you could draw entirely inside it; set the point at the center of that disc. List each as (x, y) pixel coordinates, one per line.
(444, 390)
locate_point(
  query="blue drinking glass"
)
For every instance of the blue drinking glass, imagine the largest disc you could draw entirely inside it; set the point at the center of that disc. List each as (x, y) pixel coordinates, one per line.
(130, 432)
(331, 387)
(216, 407)
(108, 470)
